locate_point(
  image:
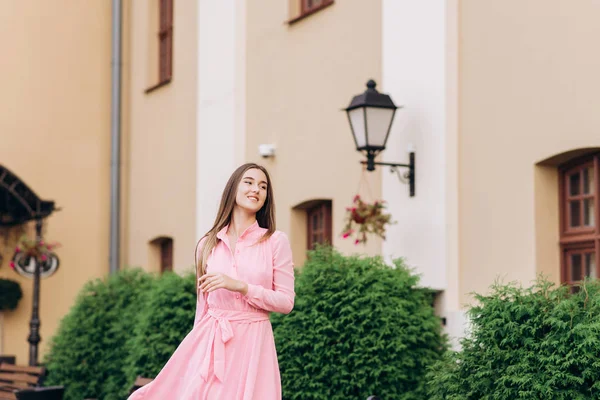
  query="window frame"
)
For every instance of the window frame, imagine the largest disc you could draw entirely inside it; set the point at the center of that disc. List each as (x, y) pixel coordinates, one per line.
(583, 249)
(306, 10)
(165, 44)
(324, 208)
(166, 255)
(580, 197)
(581, 239)
(165, 41)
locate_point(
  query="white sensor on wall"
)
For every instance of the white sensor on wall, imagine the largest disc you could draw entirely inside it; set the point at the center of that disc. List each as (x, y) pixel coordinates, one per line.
(266, 150)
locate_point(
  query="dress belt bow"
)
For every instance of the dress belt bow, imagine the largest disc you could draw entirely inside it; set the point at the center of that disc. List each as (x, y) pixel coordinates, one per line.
(221, 332)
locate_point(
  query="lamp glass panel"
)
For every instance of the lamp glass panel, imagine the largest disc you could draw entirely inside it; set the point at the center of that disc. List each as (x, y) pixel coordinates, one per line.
(378, 123)
(357, 119)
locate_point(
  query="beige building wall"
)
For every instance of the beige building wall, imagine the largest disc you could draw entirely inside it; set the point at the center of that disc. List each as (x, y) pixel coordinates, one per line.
(528, 90)
(298, 78)
(55, 135)
(161, 137)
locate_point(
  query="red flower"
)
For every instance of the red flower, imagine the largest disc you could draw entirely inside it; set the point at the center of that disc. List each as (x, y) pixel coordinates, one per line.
(365, 218)
(356, 217)
(12, 264)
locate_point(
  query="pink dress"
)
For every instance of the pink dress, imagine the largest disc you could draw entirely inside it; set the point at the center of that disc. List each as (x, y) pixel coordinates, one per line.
(230, 352)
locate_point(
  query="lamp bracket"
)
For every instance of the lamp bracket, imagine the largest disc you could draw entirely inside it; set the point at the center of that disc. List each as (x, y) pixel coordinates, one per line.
(404, 178)
(407, 177)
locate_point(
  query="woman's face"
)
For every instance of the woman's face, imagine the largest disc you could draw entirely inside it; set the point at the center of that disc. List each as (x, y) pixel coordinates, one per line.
(252, 190)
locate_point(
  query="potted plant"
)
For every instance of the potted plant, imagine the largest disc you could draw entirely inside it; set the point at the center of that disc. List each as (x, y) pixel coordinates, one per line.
(10, 294)
(365, 218)
(30, 252)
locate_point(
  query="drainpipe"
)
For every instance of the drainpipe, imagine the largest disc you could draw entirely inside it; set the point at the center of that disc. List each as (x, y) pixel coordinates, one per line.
(115, 130)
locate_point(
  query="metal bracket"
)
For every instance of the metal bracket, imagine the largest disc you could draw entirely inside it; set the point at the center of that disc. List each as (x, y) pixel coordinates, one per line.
(407, 177)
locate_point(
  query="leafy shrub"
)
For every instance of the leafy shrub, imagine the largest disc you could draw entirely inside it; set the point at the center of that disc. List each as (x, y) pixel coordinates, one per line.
(358, 328)
(10, 294)
(164, 321)
(534, 343)
(87, 351)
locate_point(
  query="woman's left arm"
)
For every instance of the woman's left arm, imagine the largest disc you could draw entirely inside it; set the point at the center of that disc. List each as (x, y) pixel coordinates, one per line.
(281, 298)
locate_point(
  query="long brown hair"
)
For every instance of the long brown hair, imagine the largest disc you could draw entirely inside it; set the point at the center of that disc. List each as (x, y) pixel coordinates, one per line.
(265, 216)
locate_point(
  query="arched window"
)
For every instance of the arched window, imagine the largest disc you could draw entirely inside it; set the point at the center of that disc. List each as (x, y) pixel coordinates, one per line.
(162, 248)
(579, 219)
(160, 39)
(300, 9)
(318, 218)
(314, 221)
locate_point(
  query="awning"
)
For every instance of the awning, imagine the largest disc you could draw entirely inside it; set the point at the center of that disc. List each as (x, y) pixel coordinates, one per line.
(18, 203)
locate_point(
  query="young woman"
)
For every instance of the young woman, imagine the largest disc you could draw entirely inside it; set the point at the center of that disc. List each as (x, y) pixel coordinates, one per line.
(245, 271)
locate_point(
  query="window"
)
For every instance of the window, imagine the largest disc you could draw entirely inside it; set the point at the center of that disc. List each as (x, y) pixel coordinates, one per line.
(166, 255)
(165, 40)
(310, 6)
(318, 218)
(161, 26)
(161, 254)
(579, 223)
(300, 9)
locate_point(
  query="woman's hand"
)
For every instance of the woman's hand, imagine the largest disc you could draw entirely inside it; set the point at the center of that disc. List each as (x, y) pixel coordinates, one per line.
(212, 281)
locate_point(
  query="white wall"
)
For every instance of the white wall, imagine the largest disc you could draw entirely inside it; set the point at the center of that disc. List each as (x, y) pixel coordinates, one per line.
(419, 72)
(414, 75)
(221, 102)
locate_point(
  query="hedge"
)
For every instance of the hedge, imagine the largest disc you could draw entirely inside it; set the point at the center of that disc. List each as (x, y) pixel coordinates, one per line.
(359, 327)
(86, 352)
(165, 319)
(539, 342)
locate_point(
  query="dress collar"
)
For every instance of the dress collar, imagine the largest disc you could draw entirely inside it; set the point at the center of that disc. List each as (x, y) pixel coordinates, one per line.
(222, 234)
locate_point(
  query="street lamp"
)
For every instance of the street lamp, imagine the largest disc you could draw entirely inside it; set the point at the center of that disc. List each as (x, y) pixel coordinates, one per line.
(370, 115)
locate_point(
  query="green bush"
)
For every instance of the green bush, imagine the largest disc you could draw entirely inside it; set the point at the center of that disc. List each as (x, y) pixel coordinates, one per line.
(358, 328)
(87, 351)
(121, 327)
(534, 343)
(164, 321)
(10, 294)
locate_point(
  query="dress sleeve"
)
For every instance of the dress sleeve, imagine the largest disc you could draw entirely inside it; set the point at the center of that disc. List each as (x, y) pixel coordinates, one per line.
(201, 303)
(281, 297)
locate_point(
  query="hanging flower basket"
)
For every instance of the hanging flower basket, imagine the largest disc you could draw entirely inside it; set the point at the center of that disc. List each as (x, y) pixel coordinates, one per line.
(30, 252)
(366, 218)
